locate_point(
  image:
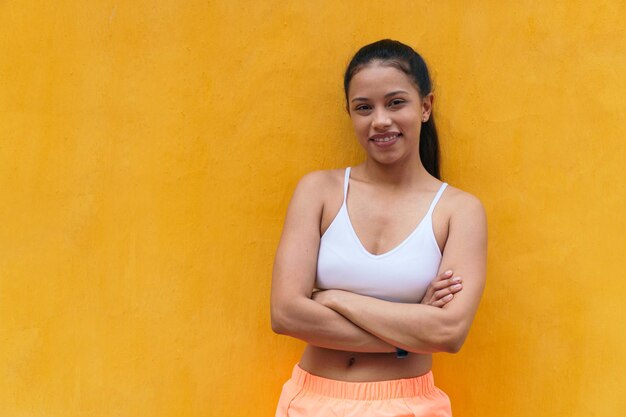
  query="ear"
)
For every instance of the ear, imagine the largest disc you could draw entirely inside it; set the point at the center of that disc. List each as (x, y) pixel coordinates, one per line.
(427, 107)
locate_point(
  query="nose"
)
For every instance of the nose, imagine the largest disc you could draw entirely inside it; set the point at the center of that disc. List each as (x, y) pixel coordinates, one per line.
(381, 120)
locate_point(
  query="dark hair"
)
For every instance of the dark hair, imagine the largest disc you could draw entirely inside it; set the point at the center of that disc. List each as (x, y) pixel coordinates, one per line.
(405, 59)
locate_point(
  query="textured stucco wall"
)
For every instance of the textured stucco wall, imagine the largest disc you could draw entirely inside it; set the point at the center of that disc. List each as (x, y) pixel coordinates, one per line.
(148, 150)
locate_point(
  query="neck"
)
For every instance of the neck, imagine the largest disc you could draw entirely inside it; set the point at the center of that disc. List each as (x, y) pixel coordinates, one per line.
(401, 173)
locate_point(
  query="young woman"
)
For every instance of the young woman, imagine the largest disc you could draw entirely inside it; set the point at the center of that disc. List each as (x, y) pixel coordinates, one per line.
(363, 271)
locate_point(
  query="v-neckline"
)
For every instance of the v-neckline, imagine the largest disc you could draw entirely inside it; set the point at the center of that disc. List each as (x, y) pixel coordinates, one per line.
(356, 236)
(390, 251)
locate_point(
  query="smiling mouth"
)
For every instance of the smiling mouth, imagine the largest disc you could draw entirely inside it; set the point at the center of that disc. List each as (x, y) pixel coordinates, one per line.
(386, 138)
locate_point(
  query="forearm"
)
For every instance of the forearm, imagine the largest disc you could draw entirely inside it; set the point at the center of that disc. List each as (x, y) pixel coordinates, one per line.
(412, 327)
(320, 326)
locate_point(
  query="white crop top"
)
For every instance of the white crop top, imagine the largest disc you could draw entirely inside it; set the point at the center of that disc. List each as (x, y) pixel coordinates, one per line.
(399, 275)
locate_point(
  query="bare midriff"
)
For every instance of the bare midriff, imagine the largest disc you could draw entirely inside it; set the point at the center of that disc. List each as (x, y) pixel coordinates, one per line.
(362, 366)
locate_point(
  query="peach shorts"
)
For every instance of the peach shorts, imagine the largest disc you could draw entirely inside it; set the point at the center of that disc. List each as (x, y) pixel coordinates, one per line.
(308, 395)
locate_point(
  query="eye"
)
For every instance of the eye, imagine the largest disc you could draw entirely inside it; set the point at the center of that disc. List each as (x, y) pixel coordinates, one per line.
(362, 108)
(396, 102)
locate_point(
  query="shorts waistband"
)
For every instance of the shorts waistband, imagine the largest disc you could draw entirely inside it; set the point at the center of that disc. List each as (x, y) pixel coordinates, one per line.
(378, 390)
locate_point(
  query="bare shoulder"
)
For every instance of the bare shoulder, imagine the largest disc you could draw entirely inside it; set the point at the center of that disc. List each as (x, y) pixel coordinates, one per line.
(458, 200)
(465, 208)
(321, 178)
(319, 185)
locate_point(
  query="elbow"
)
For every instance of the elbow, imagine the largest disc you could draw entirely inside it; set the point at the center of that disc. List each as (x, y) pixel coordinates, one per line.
(452, 339)
(280, 319)
(286, 316)
(278, 325)
(454, 345)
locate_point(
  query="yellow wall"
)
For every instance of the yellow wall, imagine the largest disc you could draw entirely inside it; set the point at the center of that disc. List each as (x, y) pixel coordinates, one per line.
(148, 151)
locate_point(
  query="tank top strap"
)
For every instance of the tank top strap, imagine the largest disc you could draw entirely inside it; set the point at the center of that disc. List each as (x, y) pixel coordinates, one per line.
(346, 180)
(436, 199)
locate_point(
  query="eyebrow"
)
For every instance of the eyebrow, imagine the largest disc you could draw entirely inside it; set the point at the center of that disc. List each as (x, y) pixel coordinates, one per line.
(393, 93)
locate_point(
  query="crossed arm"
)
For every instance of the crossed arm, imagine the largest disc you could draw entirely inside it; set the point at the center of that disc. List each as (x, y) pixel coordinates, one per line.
(343, 320)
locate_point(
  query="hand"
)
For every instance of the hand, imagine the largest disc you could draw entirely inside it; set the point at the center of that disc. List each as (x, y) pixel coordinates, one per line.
(324, 297)
(442, 289)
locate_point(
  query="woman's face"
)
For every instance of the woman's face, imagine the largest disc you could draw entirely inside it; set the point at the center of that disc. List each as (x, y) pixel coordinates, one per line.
(387, 112)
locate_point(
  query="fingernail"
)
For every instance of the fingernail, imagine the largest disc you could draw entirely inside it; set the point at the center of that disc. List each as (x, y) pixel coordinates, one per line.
(448, 297)
(456, 279)
(456, 286)
(448, 272)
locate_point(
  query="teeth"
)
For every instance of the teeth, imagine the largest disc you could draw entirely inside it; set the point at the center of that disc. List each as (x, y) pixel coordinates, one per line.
(387, 139)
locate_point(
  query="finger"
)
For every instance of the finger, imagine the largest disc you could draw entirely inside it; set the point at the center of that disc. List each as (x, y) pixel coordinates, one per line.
(444, 275)
(439, 285)
(443, 301)
(447, 291)
(441, 281)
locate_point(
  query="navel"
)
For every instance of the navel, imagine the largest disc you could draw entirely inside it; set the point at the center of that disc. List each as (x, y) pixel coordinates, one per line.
(351, 361)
